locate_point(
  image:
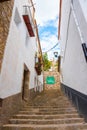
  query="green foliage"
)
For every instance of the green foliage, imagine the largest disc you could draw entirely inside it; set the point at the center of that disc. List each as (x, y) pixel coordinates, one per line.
(46, 63)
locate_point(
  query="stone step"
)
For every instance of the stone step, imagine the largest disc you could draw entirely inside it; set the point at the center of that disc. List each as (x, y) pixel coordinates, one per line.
(59, 110)
(46, 107)
(49, 108)
(60, 98)
(52, 103)
(77, 126)
(46, 121)
(57, 116)
(54, 106)
(37, 112)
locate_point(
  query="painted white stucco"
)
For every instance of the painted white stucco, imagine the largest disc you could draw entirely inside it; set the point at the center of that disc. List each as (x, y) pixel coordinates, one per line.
(20, 49)
(83, 4)
(73, 63)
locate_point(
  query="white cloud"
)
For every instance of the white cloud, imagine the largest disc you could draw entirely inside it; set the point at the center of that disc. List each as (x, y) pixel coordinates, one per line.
(48, 42)
(50, 22)
(45, 10)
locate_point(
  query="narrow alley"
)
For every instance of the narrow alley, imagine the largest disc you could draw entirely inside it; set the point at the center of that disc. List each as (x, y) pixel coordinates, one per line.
(43, 65)
(50, 110)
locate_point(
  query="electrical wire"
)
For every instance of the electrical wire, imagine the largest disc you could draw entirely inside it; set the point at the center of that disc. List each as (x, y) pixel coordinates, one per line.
(51, 48)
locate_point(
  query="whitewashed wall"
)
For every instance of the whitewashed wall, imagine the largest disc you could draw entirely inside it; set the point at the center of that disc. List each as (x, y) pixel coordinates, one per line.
(83, 4)
(74, 66)
(64, 25)
(20, 49)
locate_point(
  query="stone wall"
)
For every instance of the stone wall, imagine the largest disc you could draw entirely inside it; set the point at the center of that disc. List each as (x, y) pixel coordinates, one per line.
(57, 80)
(10, 106)
(5, 17)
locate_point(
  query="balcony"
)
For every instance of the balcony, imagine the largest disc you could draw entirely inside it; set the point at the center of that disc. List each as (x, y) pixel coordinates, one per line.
(28, 20)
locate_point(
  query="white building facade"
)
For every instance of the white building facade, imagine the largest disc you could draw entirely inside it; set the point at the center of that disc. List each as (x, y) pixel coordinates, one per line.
(19, 79)
(73, 39)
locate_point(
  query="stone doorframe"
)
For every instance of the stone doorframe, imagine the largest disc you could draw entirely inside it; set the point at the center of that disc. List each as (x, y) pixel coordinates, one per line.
(25, 85)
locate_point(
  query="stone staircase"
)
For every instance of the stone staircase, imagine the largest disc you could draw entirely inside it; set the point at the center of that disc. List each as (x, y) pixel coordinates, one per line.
(50, 110)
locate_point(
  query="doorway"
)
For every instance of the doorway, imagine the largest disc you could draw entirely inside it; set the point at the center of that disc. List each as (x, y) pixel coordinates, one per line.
(25, 86)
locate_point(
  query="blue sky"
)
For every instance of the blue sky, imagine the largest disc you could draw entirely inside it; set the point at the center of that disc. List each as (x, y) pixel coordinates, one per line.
(47, 20)
(48, 29)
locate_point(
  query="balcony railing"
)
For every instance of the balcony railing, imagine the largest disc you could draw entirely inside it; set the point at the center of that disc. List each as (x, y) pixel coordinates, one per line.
(27, 16)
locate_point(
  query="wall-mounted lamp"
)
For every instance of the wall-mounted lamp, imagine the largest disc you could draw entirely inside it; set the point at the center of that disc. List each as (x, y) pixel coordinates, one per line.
(56, 54)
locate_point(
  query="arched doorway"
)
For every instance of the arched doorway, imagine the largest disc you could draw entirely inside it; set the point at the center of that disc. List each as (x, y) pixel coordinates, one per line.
(25, 86)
